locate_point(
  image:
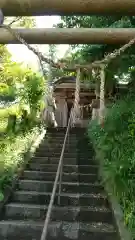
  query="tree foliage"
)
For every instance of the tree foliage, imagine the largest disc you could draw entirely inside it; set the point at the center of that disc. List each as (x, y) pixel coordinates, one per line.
(51, 73)
(93, 52)
(11, 72)
(18, 82)
(122, 67)
(27, 22)
(115, 144)
(19, 122)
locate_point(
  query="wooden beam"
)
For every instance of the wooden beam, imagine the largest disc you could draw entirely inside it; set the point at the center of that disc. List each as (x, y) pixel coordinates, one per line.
(70, 91)
(82, 100)
(71, 86)
(70, 35)
(67, 7)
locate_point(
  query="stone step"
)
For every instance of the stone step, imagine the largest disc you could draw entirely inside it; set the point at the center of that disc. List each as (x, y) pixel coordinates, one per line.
(67, 199)
(18, 211)
(46, 143)
(77, 131)
(66, 160)
(61, 135)
(47, 186)
(58, 148)
(90, 169)
(32, 230)
(63, 129)
(84, 211)
(50, 176)
(71, 133)
(59, 141)
(54, 154)
(57, 132)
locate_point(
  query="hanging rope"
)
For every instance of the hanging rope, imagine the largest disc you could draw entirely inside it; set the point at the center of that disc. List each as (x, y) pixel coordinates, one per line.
(101, 64)
(76, 113)
(17, 36)
(49, 111)
(63, 65)
(102, 94)
(1, 17)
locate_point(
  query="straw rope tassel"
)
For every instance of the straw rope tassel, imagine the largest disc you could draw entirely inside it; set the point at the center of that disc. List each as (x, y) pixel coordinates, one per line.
(77, 97)
(102, 95)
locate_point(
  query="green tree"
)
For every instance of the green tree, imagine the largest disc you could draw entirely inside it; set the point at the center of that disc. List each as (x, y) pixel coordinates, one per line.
(12, 73)
(89, 53)
(4, 54)
(51, 73)
(27, 22)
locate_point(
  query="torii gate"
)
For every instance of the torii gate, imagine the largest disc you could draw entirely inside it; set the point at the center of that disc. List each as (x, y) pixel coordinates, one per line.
(67, 7)
(41, 7)
(70, 36)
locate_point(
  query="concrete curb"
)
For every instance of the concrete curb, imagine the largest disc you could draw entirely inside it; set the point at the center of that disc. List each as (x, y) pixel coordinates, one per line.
(116, 208)
(118, 215)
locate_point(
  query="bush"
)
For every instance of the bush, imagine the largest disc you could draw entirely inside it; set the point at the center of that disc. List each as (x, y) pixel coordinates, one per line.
(7, 92)
(33, 92)
(12, 151)
(19, 123)
(31, 99)
(116, 143)
(5, 114)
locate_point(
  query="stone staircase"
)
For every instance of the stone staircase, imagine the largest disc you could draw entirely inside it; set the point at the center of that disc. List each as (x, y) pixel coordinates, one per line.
(84, 212)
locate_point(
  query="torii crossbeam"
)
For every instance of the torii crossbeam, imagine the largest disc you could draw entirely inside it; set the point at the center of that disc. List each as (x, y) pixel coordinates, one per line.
(70, 35)
(67, 7)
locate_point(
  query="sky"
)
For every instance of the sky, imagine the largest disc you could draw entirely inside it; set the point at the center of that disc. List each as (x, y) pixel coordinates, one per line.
(20, 53)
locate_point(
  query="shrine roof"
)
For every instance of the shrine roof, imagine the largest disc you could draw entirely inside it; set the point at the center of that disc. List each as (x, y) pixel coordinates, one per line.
(67, 79)
(71, 80)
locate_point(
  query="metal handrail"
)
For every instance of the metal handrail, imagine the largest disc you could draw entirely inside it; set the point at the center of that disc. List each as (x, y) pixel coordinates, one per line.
(58, 174)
